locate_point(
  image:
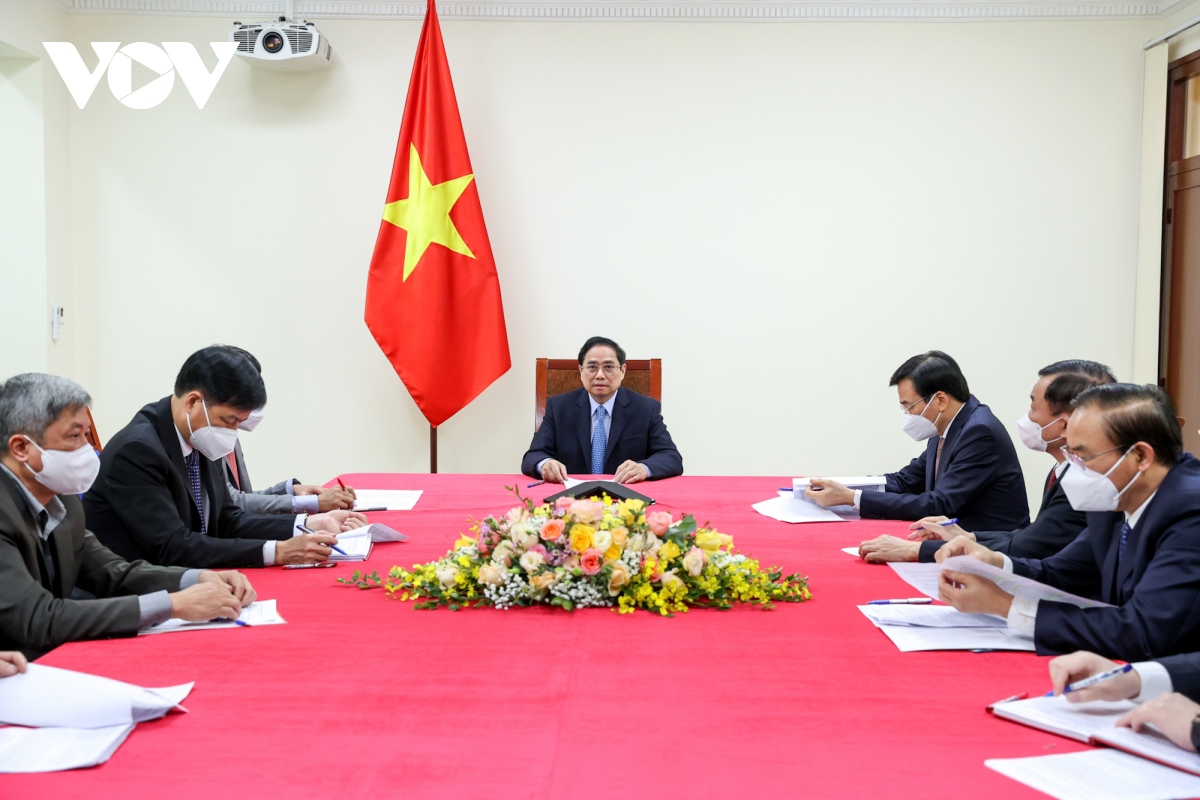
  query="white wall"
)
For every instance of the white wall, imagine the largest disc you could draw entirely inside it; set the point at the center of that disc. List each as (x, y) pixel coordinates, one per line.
(783, 213)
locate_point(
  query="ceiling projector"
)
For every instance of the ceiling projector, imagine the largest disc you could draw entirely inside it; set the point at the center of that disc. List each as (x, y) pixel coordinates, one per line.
(282, 45)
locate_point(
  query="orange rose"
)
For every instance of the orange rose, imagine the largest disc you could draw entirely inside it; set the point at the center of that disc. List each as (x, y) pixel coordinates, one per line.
(552, 531)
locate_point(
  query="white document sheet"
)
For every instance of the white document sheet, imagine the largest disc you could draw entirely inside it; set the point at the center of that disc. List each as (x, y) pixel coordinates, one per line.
(1152, 745)
(569, 482)
(929, 617)
(1017, 585)
(48, 697)
(391, 499)
(851, 551)
(356, 548)
(262, 612)
(911, 639)
(1094, 774)
(54, 749)
(922, 577)
(788, 509)
(377, 531)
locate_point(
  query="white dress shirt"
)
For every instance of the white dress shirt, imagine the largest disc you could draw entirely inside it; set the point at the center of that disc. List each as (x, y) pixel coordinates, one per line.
(269, 544)
(1022, 617)
(937, 458)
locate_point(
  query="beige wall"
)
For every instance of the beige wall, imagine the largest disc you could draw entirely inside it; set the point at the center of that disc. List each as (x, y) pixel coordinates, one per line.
(783, 213)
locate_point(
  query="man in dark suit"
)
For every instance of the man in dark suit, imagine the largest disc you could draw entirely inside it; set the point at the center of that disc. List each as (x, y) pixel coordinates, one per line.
(161, 492)
(1140, 552)
(1167, 688)
(45, 551)
(969, 469)
(600, 430)
(1041, 429)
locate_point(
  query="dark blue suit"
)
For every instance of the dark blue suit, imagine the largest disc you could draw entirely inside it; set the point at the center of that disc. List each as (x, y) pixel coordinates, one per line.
(1184, 670)
(980, 481)
(637, 433)
(1155, 584)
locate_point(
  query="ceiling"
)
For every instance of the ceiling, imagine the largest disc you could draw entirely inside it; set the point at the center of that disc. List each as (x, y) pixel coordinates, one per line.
(645, 10)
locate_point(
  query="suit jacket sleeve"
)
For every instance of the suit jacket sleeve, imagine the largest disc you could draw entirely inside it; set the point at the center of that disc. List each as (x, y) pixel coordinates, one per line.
(236, 522)
(280, 488)
(1161, 615)
(543, 444)
(40, 621)
(265, 502)
(910, 479)
(141, 499)
(974, 465)
(1056, 526)
(664, 460)
(1185, 674)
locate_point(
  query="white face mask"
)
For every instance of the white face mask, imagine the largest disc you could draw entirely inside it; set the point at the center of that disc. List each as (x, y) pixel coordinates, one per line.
(1031, 434)
(67, 471)
(1090, 491)
(251, 422)
(213, 443)
(919, 427)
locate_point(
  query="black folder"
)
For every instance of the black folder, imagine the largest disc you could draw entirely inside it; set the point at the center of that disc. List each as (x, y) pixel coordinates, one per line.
(599, 488)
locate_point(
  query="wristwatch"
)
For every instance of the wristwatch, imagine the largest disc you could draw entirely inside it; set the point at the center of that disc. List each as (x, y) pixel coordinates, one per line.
(1196, 732)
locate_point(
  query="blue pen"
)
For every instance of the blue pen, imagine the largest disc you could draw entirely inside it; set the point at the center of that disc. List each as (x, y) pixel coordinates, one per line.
(910, 601)
(222, 619)
(949, 522)
(535, 483)
(1099, 676)
(307, 529)
(786, 489)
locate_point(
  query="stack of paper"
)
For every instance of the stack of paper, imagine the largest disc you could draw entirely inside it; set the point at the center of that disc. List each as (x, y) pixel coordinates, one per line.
(1095, 723)
(914, 628)
(868, 483)
(389, 499)
(1017, 585)
(261, 613)
(1098, 773)
(75, 720)
(786, 508)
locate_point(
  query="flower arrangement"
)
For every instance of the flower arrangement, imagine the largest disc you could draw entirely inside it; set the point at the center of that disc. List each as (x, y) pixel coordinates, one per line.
(591, 554)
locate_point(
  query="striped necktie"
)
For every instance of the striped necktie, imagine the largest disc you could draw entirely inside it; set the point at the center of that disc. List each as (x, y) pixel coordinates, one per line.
(599, 442)
(231, 460)
(193, 468)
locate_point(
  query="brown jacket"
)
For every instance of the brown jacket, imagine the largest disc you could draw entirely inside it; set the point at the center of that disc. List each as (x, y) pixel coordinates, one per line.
(36, 617)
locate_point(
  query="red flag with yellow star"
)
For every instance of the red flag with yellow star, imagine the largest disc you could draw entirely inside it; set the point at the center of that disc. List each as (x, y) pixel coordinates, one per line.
(433, 298)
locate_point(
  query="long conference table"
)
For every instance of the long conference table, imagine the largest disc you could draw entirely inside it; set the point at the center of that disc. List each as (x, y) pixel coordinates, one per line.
(359, 696)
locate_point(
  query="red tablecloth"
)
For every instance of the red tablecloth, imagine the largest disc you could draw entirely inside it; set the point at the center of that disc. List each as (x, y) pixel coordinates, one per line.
(361, 697)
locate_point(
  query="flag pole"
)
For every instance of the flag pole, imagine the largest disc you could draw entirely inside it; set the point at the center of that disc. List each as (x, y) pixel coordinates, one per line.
(432, 450)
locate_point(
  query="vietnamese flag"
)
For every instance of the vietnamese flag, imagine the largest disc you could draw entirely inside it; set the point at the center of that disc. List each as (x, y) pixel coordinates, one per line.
(433, 298)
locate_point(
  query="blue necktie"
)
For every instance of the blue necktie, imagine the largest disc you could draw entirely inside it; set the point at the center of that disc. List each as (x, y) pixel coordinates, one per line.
(599, 442)
(193, 468)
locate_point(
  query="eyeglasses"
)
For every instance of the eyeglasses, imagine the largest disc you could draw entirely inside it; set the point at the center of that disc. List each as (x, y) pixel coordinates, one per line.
(905, 408)
(607, 369)
(1080, 461)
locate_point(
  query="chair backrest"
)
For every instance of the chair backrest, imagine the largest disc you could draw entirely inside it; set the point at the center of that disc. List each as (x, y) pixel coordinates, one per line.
(93, 437)
(554, 376)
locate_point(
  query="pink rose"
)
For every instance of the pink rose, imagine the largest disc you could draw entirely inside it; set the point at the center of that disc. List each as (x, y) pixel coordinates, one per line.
(541, 549)
(587, 511)
(591, 561)
(659, 521)
(563, 503)
(552, 531)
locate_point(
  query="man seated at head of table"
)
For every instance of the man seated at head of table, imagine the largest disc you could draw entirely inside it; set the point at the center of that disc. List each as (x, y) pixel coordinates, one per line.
(160, 495)
(1140, 551)
(1041, 429)
(1166, 689)
(46, 552)
(601, 430)
(285, 497)
(969, 469)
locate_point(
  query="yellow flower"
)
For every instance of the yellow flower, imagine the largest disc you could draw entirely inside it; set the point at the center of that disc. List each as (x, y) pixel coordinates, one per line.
(612, 553)
(634, 505)
(668, 552)
(463, 542)
(620, 536)
(581, 537)
(711, 541)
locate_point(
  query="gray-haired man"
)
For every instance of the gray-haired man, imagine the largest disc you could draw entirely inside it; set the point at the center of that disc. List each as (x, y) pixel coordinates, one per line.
(45, 552)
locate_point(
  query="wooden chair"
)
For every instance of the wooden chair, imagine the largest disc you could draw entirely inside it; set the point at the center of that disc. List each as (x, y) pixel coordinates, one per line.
(93, 437)
(555, 376)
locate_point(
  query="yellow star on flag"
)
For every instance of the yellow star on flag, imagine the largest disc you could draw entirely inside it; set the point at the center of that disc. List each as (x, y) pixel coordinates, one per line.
(425, 214)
